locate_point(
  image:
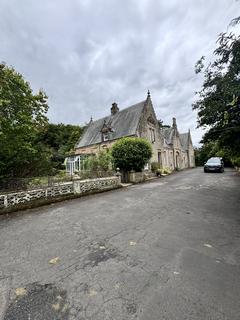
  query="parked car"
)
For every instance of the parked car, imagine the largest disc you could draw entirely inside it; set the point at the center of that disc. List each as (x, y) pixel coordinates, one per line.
(214, 165)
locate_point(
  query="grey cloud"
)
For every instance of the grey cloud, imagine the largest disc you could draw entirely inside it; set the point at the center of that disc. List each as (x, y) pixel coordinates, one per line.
(87, 54)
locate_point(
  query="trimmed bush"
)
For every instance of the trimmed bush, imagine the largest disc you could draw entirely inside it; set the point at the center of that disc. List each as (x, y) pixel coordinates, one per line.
(131, 153)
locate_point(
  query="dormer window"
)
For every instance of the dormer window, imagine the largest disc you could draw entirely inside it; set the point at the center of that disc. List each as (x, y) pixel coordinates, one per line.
(106, 131)
(105, 136)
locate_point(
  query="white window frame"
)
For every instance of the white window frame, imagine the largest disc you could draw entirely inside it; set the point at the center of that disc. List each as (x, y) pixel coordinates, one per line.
(105, 137)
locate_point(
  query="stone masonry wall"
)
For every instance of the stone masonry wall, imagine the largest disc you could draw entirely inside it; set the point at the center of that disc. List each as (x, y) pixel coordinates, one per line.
(137, 177)
(95, 148)
(77, 187)
(83, 186)
(144, 130)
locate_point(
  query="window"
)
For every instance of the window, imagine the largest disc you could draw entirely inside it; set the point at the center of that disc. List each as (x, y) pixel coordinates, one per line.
(160, 158)
(152, 135)
(105, 137)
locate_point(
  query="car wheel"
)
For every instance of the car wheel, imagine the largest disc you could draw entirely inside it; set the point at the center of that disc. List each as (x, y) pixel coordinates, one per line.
(205, 170)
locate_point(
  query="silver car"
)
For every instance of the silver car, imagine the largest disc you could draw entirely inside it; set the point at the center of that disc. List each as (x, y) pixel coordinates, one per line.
(214, 165)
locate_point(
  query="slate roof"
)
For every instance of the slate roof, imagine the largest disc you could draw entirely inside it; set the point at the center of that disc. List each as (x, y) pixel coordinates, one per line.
(168, 134)
(184, 140)
(124, 123)
(165, 144)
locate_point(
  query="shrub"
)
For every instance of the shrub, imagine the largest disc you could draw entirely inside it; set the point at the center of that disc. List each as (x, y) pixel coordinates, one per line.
(131, 153)
(155, 166)
(91, 163)
(105, 160)
(178, 169)
(236, 161)
(165, 170)
(100, 162)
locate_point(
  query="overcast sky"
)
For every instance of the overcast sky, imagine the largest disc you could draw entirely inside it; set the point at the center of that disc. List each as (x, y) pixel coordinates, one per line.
(86, 54)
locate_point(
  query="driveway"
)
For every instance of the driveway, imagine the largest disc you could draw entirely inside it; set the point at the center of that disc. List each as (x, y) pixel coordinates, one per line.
(168, 249)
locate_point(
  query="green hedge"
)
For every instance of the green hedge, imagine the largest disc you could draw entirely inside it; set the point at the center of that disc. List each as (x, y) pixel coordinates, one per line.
(131, 153)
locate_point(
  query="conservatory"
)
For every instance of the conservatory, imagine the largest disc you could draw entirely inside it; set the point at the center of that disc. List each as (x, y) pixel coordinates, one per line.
(76, 163)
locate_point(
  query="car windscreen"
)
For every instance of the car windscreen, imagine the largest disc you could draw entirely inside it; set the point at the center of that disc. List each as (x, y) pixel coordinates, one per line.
(213, 161)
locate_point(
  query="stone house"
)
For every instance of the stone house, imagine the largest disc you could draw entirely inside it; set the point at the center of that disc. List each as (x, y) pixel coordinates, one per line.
(170, 148)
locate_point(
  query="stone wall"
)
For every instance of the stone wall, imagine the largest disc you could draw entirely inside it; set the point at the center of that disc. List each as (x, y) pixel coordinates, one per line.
(24, 199)
(85, 186)
(95, 148)
(137, 177)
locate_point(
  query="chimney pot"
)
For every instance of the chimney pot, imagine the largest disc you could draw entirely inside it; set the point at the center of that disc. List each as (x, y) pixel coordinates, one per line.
(174, 122)
(114, 108)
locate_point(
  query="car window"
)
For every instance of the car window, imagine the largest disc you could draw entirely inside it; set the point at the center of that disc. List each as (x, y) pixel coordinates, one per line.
(217, 161)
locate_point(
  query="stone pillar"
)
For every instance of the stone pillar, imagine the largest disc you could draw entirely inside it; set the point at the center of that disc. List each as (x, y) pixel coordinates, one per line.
(5, 201)
(118, 174)
(132, 177)
(76, 187)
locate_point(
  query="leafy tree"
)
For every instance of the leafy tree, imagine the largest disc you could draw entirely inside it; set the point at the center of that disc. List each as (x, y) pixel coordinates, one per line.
(131, 153)
(218, 105)
(60, 139)
(22, 118)
(212, 149)
(235, 21)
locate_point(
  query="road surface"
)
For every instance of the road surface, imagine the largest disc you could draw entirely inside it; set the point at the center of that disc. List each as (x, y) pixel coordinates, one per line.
(168, 249)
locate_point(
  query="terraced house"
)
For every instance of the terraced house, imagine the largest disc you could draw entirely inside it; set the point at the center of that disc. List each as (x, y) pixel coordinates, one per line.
(170, 148)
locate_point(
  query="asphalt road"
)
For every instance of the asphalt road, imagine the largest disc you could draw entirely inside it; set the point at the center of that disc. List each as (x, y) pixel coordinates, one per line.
(168, 249)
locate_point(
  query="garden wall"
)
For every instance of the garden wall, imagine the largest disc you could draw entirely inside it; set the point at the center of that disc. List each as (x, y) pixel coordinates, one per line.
(30, 198)
(137, 177)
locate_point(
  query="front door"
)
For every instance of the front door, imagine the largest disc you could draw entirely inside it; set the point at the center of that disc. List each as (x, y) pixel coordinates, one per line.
(125, 176)
(177, 160)
(160, 158)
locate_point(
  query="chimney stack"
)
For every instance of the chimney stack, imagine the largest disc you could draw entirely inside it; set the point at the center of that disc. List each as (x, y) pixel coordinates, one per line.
(114, 108)
(174, 123)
